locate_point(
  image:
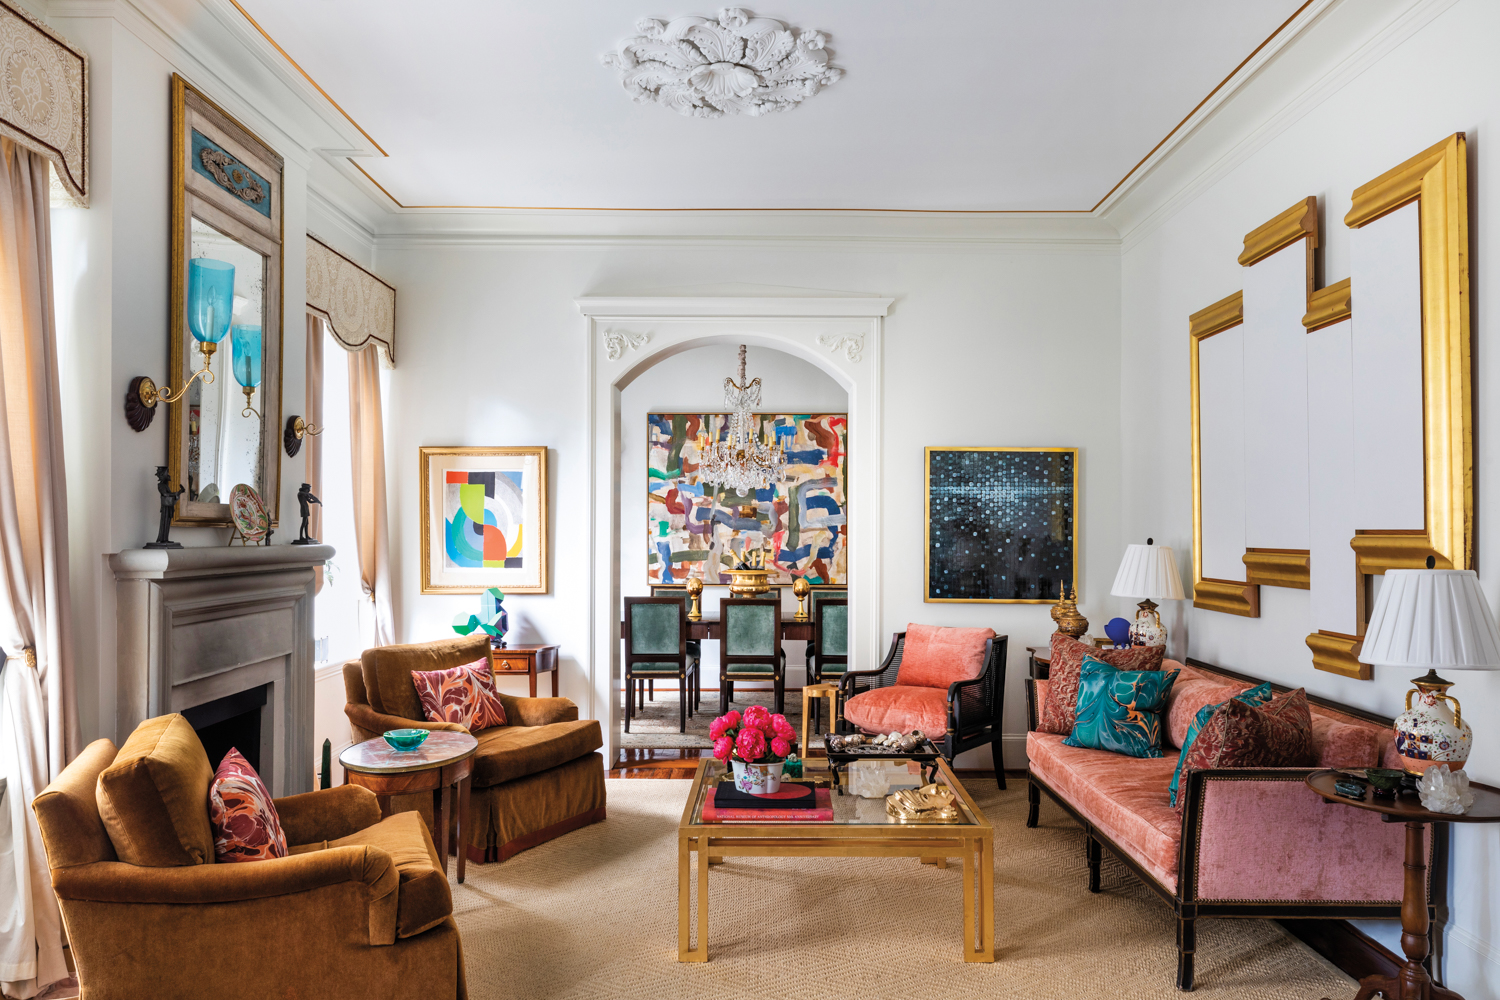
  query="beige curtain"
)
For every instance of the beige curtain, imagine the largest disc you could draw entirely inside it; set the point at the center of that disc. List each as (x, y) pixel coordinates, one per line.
(312, 444)
(38, 707)
(367, 448)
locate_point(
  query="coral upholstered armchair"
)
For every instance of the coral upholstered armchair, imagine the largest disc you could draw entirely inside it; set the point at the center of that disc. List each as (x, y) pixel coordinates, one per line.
(949, 683)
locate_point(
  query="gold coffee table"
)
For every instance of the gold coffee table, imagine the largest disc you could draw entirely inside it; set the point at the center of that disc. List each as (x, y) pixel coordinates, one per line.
(860, 829)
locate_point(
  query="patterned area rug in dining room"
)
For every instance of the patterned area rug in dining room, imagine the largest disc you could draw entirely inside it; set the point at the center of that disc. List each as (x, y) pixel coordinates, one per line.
(655, 727)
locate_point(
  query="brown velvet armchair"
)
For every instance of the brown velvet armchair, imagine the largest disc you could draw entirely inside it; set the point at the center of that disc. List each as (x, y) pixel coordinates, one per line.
(358, 910)
(535, 778)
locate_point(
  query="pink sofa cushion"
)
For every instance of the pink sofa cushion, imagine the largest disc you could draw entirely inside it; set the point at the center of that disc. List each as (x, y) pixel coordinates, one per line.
(1345, 744)
(902, 707)
(1125, 797)
(935, 657)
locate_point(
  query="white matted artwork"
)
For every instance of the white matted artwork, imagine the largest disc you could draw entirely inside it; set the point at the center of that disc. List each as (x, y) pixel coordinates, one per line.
(484, 516)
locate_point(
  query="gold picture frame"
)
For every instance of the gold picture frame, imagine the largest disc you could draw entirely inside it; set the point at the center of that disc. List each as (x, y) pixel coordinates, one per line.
(514, 496)
(1068, 577)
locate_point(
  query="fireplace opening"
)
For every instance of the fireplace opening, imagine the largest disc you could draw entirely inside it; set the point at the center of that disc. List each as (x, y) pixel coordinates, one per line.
(231, 722)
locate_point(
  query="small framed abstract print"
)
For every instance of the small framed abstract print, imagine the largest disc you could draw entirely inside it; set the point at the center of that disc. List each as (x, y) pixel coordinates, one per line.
(1001, 525)
(484, 516)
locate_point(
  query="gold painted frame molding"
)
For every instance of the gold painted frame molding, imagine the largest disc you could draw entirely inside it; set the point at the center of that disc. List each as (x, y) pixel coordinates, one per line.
(1233, 597)
(45, 104)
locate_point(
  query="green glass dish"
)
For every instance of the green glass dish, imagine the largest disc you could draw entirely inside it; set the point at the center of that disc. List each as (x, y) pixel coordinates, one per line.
(405, 739)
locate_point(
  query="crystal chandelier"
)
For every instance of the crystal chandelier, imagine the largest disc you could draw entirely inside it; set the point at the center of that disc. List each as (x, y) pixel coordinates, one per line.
(742, 462)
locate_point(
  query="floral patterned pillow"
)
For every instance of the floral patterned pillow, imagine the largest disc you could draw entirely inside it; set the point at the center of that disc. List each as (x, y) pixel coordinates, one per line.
(1120, 710)
(465, 695)
(1058, 712)
(245, 824)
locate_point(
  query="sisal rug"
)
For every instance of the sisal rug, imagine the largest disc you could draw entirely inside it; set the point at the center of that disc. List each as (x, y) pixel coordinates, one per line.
(594, 915)
(655, 727)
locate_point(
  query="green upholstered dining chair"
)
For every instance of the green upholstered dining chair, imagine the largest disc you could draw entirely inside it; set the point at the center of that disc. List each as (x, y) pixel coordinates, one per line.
(831, 644)
(694, 647)
(656, 646)
(819, 594)
(750, 649)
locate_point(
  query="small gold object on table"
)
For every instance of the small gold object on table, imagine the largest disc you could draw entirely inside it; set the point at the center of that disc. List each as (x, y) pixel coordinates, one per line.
(801, 588)
(695, 594)
(934, 803)
(1065, 613)
(750, 577)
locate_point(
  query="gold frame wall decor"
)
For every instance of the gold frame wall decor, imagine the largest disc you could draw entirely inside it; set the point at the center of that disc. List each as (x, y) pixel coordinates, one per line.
(446, 459)
(1233, 597)
(1071, 580)
(194, 196)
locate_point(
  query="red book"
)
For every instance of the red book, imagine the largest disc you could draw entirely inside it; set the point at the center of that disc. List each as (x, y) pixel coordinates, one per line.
(822, 812)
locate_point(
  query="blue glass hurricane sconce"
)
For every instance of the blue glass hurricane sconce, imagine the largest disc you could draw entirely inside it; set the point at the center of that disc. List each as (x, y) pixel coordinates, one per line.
(210, 308)
(246, 343)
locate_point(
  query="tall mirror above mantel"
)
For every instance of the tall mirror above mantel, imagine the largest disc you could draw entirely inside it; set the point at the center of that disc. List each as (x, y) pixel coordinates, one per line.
(223, 428)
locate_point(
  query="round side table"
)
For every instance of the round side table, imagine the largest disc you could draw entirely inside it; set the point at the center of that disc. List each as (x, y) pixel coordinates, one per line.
(443, 760)
(1413, 982)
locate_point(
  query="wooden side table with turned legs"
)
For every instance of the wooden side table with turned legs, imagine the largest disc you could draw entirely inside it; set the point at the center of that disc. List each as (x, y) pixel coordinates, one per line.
(444, 759)
(1412, 982)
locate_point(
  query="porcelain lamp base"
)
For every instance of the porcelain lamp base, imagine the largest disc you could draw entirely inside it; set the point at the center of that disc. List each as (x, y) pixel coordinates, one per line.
(1147, 629)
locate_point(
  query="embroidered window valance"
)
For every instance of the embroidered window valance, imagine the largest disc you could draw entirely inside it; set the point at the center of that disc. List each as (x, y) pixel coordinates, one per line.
(357, 306)
(44, 103)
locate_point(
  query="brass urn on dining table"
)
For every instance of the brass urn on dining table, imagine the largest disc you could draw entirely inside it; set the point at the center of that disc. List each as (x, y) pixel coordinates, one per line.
(750, 578)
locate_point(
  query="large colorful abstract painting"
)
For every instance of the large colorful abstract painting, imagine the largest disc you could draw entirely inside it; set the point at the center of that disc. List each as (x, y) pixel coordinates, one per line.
(486, 520)
(1000, 524)
(697, 531)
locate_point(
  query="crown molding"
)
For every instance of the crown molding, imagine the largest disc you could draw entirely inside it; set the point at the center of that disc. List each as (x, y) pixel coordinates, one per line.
(1213, 151)
(332, 225)
(800, 306)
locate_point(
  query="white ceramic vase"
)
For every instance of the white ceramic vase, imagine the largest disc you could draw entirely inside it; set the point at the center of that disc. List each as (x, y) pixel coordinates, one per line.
(1429, 731)
(757, 779)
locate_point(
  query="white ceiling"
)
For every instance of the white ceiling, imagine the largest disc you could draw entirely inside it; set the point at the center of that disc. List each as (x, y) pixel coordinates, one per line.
(971, 105)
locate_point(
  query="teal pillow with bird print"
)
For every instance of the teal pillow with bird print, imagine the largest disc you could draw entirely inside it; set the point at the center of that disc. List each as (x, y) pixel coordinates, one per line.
(1120, 710)
(1256, 696)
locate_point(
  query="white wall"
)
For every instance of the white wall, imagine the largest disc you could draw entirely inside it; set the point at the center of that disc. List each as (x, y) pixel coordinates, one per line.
(1439, 81)
(981, 348)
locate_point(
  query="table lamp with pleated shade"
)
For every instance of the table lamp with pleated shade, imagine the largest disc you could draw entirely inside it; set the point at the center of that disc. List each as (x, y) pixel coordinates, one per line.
(1149, 572)
(1433, 618)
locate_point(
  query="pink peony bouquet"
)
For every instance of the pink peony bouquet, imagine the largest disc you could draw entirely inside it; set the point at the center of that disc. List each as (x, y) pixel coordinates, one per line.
(757, 737)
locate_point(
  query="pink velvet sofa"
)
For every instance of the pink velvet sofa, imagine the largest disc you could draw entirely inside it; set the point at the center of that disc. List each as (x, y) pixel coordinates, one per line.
(1248, 842)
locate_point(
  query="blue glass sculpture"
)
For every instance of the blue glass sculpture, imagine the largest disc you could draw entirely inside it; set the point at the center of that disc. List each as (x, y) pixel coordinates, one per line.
(492, 619)
(1118, 631)
(246, 341)
(210, 299)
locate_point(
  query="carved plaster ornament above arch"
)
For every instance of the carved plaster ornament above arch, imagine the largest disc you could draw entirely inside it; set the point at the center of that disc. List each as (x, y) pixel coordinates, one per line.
(852, 344)
(357, 306)
(616, 341)
(739, 64)
(44, 102)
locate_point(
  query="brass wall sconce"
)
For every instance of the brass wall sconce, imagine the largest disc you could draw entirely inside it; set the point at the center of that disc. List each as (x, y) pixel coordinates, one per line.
(143, 395)
(249, 391)
(296, 430)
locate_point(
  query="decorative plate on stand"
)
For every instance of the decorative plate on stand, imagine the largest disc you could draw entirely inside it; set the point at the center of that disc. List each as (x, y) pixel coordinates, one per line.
(249, 514)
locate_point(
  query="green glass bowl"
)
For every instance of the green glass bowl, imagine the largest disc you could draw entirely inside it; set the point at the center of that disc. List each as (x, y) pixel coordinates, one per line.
(405, 739)
(1387, 779)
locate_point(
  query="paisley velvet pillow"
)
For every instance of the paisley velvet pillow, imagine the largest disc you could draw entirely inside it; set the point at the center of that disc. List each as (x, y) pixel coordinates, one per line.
(1276, 734)
(246, 827)
(465, 694)
(1062, 685)
(1120, 710)
(1258, 695)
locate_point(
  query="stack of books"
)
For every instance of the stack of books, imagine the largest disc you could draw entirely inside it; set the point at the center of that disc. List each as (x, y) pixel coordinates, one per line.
(796, 802)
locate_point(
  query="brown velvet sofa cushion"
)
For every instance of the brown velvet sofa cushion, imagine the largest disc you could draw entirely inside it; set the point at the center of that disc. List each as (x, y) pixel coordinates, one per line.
(509, 752)
(387, 671)
(423, 899)
(154, 797)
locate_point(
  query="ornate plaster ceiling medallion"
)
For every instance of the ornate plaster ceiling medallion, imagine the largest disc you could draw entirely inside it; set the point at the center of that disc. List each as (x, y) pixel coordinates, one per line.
(737, 65)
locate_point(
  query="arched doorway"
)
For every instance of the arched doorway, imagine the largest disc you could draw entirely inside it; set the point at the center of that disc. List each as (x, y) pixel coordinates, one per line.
(627, 336)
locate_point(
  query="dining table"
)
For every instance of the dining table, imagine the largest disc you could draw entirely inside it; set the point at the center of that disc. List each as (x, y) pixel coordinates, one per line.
(709, 627)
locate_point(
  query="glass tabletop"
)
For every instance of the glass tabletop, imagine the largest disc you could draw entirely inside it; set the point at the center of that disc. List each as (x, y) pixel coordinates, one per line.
(848, 809)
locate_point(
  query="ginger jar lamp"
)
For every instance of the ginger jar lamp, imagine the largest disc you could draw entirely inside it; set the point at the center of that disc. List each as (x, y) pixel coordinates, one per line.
(1437, 619)
(1148, 572)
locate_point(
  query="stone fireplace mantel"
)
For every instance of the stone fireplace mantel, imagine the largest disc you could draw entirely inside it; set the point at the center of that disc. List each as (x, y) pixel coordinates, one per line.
(199, 624)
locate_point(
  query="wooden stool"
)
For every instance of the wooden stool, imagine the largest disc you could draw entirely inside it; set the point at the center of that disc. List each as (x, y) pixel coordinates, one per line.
(809, 693)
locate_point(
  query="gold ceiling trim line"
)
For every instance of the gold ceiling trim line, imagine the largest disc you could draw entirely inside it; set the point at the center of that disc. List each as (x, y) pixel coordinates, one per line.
(359, 308)
(45, 107)
(306, 76)
(926, 211)
(1328, 306)
(1296, 223)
